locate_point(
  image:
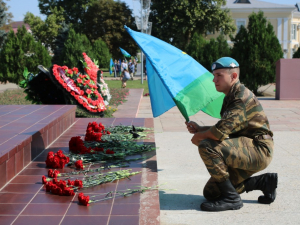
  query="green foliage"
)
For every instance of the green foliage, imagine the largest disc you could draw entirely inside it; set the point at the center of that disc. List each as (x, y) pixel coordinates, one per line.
(297, 54)
(206, 52)
(27, 77)
(46, 31)
(101, 53)
(5, 16)
(105, 19)
(257, 49)
(20, 51)
(74, 46)
(60, 42)
(177, 21)
(74, 11)
(3, 19)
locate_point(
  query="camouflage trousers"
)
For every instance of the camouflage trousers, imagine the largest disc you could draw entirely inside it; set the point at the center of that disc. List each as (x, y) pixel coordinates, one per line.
(235, 159)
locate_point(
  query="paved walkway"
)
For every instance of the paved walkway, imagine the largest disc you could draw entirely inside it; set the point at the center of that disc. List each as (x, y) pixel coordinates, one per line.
(181, 168)
(7, 86)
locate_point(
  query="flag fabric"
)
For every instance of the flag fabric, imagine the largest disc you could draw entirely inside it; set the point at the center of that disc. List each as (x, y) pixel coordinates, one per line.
(111, 65)
(175, 78)
(126, 54)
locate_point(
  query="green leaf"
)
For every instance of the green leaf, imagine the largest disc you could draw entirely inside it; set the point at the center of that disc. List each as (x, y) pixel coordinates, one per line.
(25, 73)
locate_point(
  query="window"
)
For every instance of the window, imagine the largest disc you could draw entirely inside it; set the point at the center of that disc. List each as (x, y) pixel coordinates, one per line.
(239, 23)
(294, 31)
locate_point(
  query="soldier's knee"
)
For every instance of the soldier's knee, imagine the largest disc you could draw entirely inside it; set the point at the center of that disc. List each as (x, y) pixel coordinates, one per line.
(206, 146)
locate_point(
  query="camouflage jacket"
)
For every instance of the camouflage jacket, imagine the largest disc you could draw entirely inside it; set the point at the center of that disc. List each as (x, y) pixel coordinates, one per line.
(241, 115)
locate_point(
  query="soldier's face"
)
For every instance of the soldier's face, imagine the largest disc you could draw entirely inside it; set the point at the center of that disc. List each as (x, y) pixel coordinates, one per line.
(223, 80)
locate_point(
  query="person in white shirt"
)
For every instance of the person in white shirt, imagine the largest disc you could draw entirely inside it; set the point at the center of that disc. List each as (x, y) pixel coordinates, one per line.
(125, 76)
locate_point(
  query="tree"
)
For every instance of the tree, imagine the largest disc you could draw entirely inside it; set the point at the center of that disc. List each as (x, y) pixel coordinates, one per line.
(297, 54)
(60, 42)
(177, 21)
(9, 16)
(206, 52)
(105, 19)
(74, 46)
(74, 11)
(257, 49)
(46, 31)
(4, 19)
(101, 53)
(20, 51)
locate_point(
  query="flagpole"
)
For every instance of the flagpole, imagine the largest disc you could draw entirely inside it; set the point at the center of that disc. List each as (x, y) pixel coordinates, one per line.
(142, 51)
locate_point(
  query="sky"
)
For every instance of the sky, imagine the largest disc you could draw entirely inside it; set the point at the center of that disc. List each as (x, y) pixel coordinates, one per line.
(19, 7)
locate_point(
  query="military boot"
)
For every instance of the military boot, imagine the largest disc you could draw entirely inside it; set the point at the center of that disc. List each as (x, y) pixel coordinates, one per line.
(267, 183)
(229, 199)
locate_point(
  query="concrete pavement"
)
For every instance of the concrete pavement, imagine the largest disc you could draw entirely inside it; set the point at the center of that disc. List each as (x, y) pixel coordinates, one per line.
(181, 168)
(7, 86)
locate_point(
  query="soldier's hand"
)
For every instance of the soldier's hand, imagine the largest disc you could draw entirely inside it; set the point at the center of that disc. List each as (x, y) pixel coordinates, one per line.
(192, 127)
(196, 139)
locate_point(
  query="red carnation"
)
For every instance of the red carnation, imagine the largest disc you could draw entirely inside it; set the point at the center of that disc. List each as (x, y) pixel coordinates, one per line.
(84, 200)
(68, 191)
(79, 165)
(75, 70)
(64, 67)
(70, 71)
(44, 180)
(50, 172)
(49, 186)
(78, 183)
(88, 91)
(108, 151)
(70, 183)
(59, 153)
(79, 80)
(76, 145)
(98, 149)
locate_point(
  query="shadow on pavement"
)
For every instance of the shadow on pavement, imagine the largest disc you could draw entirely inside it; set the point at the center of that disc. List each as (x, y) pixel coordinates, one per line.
(186, 202)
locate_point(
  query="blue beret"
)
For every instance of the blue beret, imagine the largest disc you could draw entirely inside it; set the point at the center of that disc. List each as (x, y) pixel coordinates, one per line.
(224, 62)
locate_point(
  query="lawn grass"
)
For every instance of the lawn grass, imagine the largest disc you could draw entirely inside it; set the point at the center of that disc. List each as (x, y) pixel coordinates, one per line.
(14, 97)
(131, 84)
(17, 97)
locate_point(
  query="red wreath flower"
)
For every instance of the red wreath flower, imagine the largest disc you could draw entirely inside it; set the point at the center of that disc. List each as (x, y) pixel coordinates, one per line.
(60, 74)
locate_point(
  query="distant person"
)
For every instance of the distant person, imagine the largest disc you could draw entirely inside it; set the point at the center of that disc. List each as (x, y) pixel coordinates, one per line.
(135, 66)
(116, 71)
(125, 77)
(145, 70)
(124, 65)
(118, 68)
(131, 68)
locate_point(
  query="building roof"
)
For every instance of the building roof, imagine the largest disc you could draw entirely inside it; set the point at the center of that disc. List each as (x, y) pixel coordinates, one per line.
(234, 4)
(18, 24)
(15, 25)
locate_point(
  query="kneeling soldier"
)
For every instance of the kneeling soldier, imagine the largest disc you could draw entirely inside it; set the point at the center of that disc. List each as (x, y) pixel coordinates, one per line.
(238, 146)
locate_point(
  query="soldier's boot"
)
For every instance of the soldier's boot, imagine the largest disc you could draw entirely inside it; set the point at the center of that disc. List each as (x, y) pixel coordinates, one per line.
(229, 199)
(267, 183)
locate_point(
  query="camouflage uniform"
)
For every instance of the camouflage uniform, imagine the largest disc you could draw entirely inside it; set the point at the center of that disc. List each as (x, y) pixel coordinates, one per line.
(245, 143)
